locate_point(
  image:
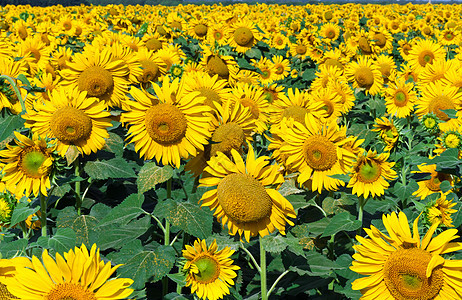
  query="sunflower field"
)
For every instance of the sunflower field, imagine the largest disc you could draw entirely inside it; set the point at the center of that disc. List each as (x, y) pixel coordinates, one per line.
(231, 152)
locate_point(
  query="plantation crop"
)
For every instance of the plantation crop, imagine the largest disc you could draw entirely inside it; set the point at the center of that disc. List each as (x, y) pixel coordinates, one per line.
(236, 152)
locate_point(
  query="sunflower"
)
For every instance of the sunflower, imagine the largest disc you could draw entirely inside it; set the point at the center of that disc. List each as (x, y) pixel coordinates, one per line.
(402, 266)
(432, 185)
(209, 272)
(71, 118)
(28, 165)
(8, 97)
(388, 132)
(243, 35)
(174, 128)
(216, 34)
(365, 75)
(344, 91)
(331, 103)
(370, 174)
(279, 41)
(437, 70)
(35, 53)
(198, 28)
(330, 32)
(212, 88)
(232, 126)
(408, 74)
(152, 66)
(6, 205)
(381, 40)
(95, 72)
(400, 97)
(153, 41)
(267, 71)
(437, 97)
(424, 52)
(281, 66)
(449, 36)
(243, 199)
(335, 58)
(299, 49)
(295, 106)
(325, 74)
(222, 65)
(315, 150)
(440, 212)
(81, 274)
(252, 97)
(386, 66)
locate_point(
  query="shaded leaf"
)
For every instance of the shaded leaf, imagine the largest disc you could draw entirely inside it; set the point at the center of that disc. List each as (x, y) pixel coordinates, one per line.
(114, 144)
(333, 206)
(343, 221)
(13, 248)
(8, 125)
(274, 244)
(62, 241)
(115, 237)
(113, 168)
(141, 265)
(84, 226)
(21, 212)
(126, 211)
(151, 174)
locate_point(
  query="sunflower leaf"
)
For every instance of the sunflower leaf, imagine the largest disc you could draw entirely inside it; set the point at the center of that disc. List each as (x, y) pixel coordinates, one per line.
(84, 226)
(63, 240)
(143, 265)
(115, 235)
(12, 248)
(342, 222)
(126, 211)
(112, 168)
(8, 125)
(274, 244)
(151, 174)
(187, 216)
(114, 144)
(21, 212)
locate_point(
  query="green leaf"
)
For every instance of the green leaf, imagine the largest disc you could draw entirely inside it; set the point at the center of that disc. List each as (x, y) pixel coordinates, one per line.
(84, 226)
(343, 221)
(222, 241)
(14, 248)
(405, 191)
(333, 206)
(288, 188)
(151, 174)
(447, 160)
(21, 212)
(114, 144)
(8, 125)
(188, 216)
(62, 241)
(178, 278)
(24, 80)
(309, 74)
(320, 265)
(126, 211)
(452, 113)
(115, 236)
(142, 265)
(274, 244)
(253, 53)
(342, 177)
(113, 168)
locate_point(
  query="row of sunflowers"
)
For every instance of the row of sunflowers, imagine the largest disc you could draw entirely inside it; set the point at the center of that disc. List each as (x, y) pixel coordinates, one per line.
(237, 152)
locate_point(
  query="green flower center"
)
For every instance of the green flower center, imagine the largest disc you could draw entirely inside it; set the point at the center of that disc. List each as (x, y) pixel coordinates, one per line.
(5, 211)
(400, 99)
(369, 171)
(31, 162)
(209, 269)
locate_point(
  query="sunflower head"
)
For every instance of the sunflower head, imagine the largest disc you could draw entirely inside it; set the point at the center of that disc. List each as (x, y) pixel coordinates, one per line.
(439, 212)
(452, 139)
(6, 208)
(430, 122)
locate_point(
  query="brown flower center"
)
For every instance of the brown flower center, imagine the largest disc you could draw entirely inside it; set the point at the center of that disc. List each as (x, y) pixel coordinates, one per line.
(70, 291)
(216, 65)
(243, 36)
(226, 137)
(69, 124)
(96, 81)
(364, 77)
(165, 124)
(319, 153)
(440, 103)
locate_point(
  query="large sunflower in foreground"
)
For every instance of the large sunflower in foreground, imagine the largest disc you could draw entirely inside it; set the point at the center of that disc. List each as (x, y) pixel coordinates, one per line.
(95, 72)
(244, 199)
(315, 150)
(8, 269)
(404, 266)
(28, 165)
(71, 118)
(80, 275)
(175, 128)
(210, 272)
(370, 174)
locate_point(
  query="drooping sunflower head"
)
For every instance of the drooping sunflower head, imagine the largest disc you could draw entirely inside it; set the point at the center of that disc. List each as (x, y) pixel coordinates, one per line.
(440, 211)
(243, 35)
(365, 75)
(209, 271)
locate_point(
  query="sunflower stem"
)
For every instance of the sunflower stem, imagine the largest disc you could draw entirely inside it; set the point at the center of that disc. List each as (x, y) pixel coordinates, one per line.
(251, 257)
(264, 292)
(167, 236)
(43, 212)
(78, 199)
(16, 90)
(276, 282)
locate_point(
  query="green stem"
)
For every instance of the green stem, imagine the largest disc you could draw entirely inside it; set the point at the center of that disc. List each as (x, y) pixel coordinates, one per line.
(167, 236)
(78, 199)
(361, 209)
(16, 90)
(264, 291)
(276, 282)
(251, 257)
(43, 212)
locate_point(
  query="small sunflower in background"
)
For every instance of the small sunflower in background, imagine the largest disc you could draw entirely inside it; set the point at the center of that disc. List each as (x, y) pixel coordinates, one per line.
(432, 185)
(73, 119)
(174, 128)
(345, 92)
(404, 266)
(281, 66)
(152, 66)
(387, 131)
(331, 103)
(371, 173)
(400, 98)
(440, 211)
(8, 97)
(315, 150)
(330, 32)
(210, 272)
(224, 66)
(364, 74)
(243, 35)
(300, 49)
(245, 198)
(279, 41)
(436, 97)
(95, 72)
(198, 28)
(28, 165)
(80, 274)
